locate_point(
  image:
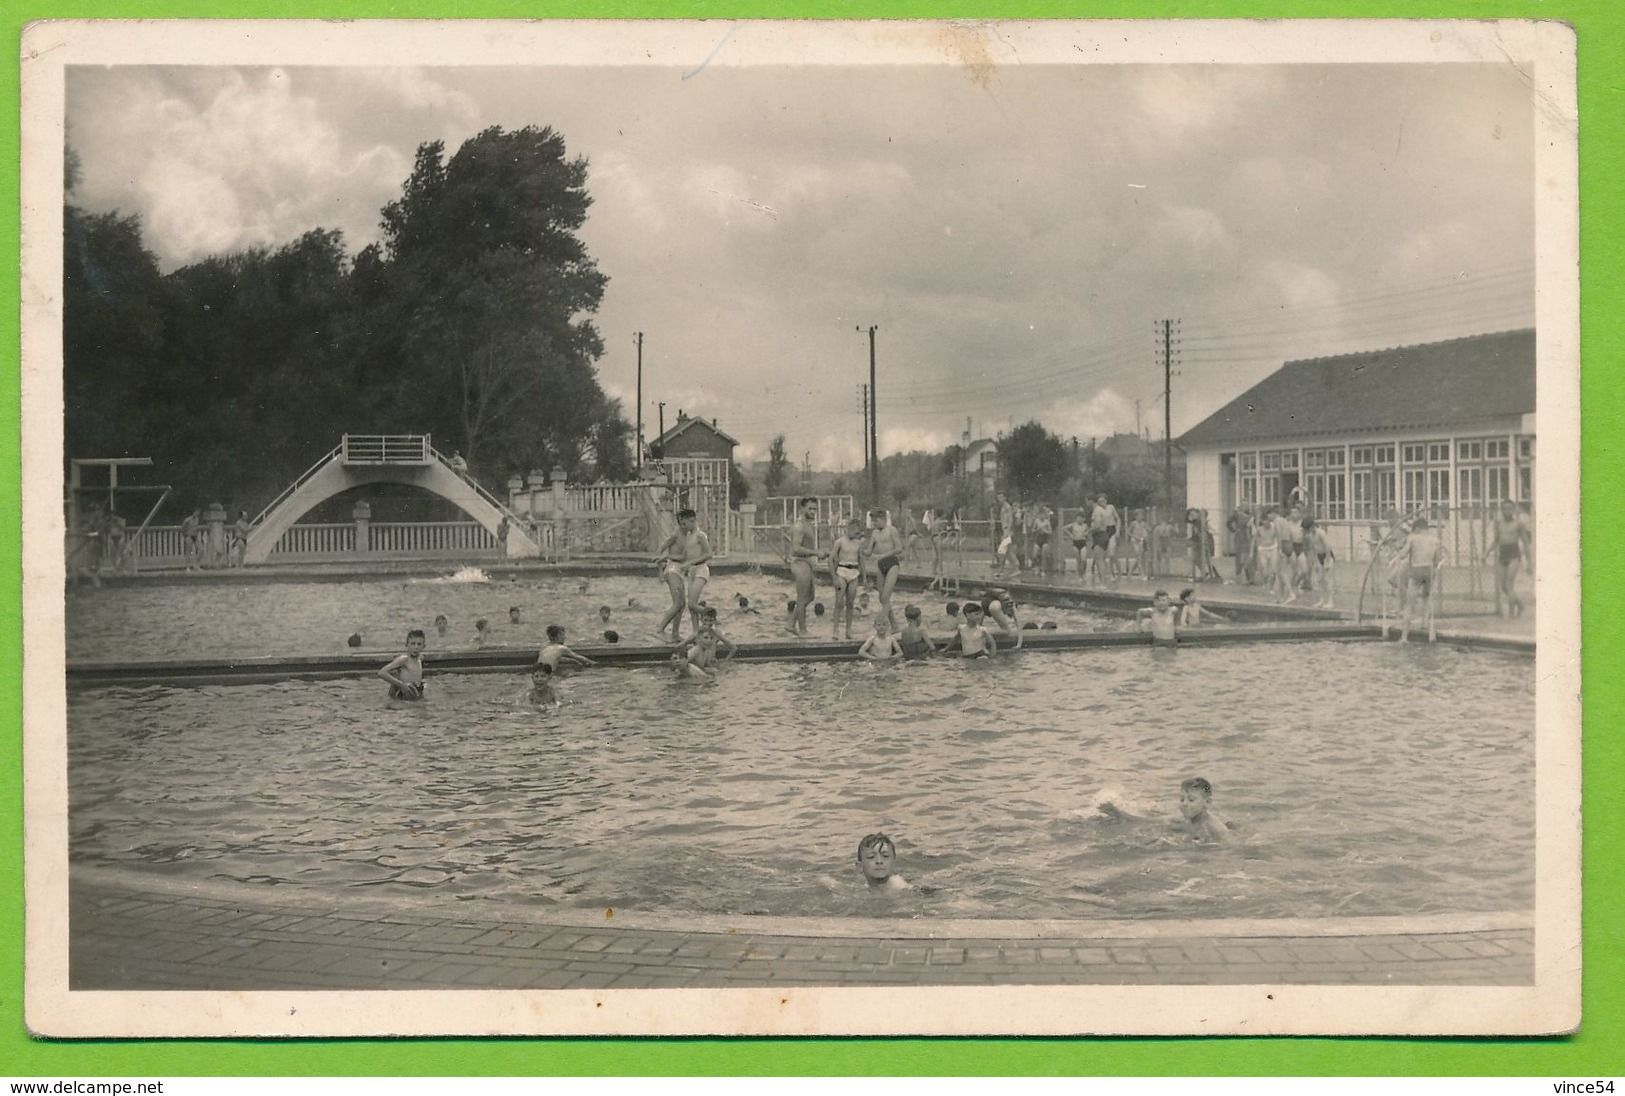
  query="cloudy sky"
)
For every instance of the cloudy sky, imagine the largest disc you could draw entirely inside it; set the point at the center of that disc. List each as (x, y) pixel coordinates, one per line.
(1014, 234)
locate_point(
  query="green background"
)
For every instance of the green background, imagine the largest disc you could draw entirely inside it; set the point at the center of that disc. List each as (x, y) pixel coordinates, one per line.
(1594, 1051)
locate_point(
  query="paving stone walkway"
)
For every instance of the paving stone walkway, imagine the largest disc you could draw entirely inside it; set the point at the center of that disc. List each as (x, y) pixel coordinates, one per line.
(141, 936)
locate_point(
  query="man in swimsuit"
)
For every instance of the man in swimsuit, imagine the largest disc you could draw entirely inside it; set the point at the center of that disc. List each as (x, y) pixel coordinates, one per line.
(886, 546)
(695, 561)
(1510, 551)
(1424, 554)
(669, 560)
(1078, 530)
(1103, 531)
(1043, 527)
(1300, 550)
(846, 570)
(1267, 545)
(803, 554)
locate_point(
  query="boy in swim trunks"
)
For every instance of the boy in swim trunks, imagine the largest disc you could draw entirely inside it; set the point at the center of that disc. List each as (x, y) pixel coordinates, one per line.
(803, 554)
(696, 561)
(1322, 561)
(556, 652)
(877, 857)
(846, 569)
(886, 546)
(1078, 530)
(1510, 553)
(697, 656)
(882, 645)
(1161, 619)
(1191, 611)
(405, 672)
(1139, 539)
(669, 562)
(1103, 532)
(913, 639)
(972, 640)
(1424, 555)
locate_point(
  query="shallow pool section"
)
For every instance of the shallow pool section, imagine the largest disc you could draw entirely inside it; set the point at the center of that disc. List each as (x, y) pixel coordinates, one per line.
(222, 620)
(1361, 779)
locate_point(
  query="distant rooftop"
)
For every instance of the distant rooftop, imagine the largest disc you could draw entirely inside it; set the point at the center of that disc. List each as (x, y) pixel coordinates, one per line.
(1404, 387)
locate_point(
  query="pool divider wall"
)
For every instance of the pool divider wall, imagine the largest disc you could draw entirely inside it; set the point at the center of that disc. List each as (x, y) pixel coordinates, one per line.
(252, 670)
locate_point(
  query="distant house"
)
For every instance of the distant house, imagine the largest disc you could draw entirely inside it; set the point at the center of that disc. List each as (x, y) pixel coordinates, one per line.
(694, 438)
(1448, 425)
(980, 458)
(1122, 449)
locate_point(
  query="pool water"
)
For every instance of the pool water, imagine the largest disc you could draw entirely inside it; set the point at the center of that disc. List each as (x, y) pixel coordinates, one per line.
(173, 621)
(1360, 778)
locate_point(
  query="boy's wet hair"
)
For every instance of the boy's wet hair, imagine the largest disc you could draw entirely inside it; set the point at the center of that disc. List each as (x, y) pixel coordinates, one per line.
(709, 612)
(681, 514)
(602, 609)
(355, 638)
(555, 632)
(876, 841)
(1197, 784)
(441, 619)
(612, 636)
(911, 612)
(742, 601)
(970, 607)
(1185, 594)
(543, 668)
(953, 608)
(513, 608)
(790, 606)
(414, 633)
(1159, 593)
(481, 623)
(818, 608)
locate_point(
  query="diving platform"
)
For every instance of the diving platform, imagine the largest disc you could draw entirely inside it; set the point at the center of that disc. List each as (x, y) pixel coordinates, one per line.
(360, 460)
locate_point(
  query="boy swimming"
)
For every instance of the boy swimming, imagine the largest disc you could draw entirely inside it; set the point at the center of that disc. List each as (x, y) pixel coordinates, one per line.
(405, 672)
(1195, 800)
(556, 652)
(1161, 619)
(542, 694)
(877, 859)
(882, 645)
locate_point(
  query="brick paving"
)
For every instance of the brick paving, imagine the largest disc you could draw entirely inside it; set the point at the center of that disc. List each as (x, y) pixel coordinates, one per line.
(136, 935)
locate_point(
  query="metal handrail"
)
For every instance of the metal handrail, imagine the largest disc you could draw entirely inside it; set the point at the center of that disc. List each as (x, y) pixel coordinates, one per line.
(1402, 528)
(479, 488)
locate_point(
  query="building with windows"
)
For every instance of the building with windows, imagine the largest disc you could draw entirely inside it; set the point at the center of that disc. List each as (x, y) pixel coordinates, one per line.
(1447, 425)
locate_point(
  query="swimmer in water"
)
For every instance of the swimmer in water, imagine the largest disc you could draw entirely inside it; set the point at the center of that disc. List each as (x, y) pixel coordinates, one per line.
(405, 672)
(542, 694)
(971, 639)
(481, 631)
(877, 859)
(1161, 619)
(603, 614)
(556, 652)
(846, 571)
(1191, 612)
(441, 625)
(697, 656)
(745, 606)
(515, 616)
(1196, 817)
(914, 640)
(882, 645)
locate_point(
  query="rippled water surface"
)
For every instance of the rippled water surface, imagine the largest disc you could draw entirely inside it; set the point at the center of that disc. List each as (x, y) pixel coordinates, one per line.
(215, 620)
(1361, 779)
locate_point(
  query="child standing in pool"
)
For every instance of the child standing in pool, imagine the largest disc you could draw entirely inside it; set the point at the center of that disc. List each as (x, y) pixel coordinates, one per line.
(882, 645)
(971, 639)
(697, 656)
(846, 569)
(669, 560)
(877, 859)
(913, 639)
(1161, 619)
(696, 562)
(886, 546)
(405, 672)
(542, 693)
(556, 652)
(1191, 612)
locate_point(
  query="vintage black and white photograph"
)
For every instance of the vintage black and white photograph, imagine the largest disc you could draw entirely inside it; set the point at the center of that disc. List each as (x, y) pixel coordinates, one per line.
(801, 528)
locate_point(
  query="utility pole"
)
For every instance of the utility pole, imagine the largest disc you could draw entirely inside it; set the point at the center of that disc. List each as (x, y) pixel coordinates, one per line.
(1091, 466)
(638, 457)
(1136, 416)
(662, 418)
(874, 445)
(1167, 330)
(863, 409)
(806, 472)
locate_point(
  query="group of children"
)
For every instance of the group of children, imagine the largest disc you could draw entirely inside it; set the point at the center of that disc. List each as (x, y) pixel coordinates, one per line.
(1286, 552)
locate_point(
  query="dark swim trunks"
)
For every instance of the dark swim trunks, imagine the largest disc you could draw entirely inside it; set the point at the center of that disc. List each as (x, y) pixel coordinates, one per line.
(1079, 543)
(887, 564)
(1101, 537)
(397, 693)
(1509, 553)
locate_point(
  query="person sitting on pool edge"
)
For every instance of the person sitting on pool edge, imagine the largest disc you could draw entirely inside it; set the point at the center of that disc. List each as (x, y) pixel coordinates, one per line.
(877, 857)
(405, 672)
(556, 652)
(971, 639)
(1160, 618)
(542, 693)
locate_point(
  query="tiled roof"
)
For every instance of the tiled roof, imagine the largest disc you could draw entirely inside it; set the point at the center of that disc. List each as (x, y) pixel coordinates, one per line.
(693, 420)
(1435, 384)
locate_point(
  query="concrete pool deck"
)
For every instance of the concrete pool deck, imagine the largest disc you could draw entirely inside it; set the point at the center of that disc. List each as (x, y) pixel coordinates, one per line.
(141, 933)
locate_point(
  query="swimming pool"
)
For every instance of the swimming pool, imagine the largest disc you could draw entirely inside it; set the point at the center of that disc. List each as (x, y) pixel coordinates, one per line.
(220, 620)
(1363, 779)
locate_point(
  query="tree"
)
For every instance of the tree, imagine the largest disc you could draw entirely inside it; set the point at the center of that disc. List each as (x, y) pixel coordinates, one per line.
(486, 286)
(778, 462)
(1033, 463)
(738, 488)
